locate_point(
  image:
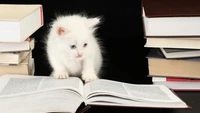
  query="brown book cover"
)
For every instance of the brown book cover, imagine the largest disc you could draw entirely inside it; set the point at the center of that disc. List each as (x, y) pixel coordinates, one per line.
(171, 8)
(183, 68)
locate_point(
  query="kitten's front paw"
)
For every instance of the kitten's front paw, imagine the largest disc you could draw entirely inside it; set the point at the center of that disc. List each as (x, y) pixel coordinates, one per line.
(88, 77)
(60, 75)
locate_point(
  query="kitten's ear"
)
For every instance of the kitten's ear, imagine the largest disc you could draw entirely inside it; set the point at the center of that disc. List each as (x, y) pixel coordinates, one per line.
(91, 22)
(61, 31)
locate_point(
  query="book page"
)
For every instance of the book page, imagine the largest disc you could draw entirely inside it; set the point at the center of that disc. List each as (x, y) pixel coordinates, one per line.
(12, 47)
(41, 102)
(156, 93)
(12, 85)
(151, 92)
(120, 101)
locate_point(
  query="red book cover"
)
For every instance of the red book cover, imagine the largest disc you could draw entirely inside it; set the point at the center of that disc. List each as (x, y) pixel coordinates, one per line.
(182, 79)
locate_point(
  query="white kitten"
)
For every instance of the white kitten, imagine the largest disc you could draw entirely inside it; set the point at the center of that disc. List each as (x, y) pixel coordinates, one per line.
(72, 49)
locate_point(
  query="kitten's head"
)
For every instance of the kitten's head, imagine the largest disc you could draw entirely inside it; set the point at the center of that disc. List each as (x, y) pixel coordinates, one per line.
(75, 33)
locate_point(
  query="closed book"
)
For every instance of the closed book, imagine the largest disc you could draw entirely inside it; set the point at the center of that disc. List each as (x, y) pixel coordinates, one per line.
(178, 84)
(13, 57)
(26, 45)
(25, 68)
(174, 79)
(171, 17)
(180, 52)
(187, 42)
(171, 8)
(179, 67)
(19, 21)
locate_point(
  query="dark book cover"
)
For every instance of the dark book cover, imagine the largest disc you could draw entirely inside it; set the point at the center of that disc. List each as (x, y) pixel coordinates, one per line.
(171, 8)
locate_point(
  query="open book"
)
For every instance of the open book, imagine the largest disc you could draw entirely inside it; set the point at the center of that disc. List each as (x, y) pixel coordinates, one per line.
(42, 94)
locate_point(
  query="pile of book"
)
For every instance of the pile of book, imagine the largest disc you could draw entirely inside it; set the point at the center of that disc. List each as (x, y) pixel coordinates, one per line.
(17, 23)
(172, 34)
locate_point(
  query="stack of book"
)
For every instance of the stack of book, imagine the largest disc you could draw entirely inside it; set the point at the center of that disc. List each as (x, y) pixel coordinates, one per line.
(172, 32)
(17, 23)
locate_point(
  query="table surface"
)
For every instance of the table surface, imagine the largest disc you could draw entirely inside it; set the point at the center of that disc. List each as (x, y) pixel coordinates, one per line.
(192, 99)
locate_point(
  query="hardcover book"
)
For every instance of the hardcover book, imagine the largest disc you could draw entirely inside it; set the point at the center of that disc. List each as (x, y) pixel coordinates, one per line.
(26, 67)
(178, 84)
(171, 8)
(171, 17)
(19, 21)
(180, 52)
(180, 67)
(188, 42)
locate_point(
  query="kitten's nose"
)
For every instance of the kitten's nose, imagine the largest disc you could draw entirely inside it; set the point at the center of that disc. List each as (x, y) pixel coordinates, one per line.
(80, 54)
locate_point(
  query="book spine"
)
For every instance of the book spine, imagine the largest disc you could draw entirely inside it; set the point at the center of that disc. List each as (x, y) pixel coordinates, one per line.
(174, 79)
(182, 79)
(41, 15)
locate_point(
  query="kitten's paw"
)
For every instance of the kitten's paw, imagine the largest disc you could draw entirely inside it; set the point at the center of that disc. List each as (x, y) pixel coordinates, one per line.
(60, 75)
(88, 77)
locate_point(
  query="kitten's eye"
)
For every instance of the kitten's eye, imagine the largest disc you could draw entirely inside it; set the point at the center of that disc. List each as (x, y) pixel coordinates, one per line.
(73, 46)
(85, 45)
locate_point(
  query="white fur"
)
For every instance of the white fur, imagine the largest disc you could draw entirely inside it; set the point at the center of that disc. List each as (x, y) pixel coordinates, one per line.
(78, 30)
